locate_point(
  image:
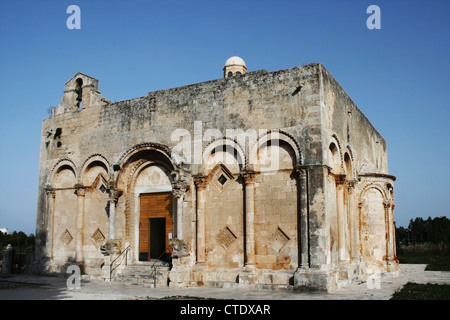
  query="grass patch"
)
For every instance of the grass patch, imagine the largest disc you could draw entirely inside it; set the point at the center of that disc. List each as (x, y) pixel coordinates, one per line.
(429, 291)
(435, 256)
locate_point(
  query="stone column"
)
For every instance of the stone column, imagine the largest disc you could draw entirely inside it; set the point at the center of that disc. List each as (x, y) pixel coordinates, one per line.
(112, 201)
(248, 274)
(352, 211)
(389, 230)
(393, 253)
(340, 179)
(81, 192)
(200, 184)
(49, 217)
(249, 178)
(303, 221)
(360, 239)
(179, 193)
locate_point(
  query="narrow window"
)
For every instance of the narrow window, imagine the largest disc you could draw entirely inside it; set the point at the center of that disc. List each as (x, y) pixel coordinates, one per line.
(79, 91)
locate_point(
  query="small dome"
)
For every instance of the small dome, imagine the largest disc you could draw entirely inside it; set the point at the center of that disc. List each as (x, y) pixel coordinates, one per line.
(235, 61)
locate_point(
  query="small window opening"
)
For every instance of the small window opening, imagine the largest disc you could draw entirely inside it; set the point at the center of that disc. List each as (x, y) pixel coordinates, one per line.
(238, 73)
(230, 74)
(222, 179)
(102, 188)
(79, 91)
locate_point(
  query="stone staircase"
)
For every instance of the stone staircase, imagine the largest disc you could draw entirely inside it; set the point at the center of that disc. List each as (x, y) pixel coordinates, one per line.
(148, 274)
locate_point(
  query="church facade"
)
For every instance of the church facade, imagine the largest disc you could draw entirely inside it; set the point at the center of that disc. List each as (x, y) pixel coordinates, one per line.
(256, 179)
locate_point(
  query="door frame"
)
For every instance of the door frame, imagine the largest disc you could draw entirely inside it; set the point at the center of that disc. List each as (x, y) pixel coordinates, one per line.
(137, 214)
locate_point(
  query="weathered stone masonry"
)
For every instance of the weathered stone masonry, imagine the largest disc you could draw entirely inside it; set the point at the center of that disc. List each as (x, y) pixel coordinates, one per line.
(322, 219)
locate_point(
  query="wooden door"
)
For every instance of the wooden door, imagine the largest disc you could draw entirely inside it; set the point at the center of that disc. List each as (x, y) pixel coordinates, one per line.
(156, 222)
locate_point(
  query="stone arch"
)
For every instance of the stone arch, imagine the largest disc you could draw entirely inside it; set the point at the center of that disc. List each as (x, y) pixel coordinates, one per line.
(150, 151)
(60, 165)
(336, 159)
(94, 160)
(228, 150)
(276, 137)
(373, 186)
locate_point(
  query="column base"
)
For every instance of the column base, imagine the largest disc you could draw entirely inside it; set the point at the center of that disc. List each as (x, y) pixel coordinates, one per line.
(248, 275)
(313, 280)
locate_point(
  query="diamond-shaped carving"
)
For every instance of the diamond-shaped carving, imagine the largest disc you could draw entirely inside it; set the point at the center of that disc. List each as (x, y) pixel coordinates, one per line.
(220, 176)
(278, 240)
(98, 236)
(66, 237)
(226, 238)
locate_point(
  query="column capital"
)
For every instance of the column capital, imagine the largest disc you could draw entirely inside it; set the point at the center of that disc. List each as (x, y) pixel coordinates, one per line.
(200, 182)
(387, 204)
(340, 178)
(248, 176)
(80, 191)
(50, 192)
(114, 194)
(300, 170)
(351, 185)
(179, 192)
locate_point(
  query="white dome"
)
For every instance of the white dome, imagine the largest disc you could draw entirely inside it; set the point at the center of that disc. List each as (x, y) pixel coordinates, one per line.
(233, 61)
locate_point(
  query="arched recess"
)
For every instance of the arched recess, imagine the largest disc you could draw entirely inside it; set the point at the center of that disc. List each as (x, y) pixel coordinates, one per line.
(335, 157)
(272, 160)
(276, 203)
(94, 221)
(146, 183)
(338, 201)
(63, 215)
(60, 165)
(348, 167)
(94, 161)
(226, 151)
(373, 225)
(223, 160)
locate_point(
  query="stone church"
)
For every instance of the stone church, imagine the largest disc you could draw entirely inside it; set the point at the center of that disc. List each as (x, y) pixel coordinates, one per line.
(258, 179)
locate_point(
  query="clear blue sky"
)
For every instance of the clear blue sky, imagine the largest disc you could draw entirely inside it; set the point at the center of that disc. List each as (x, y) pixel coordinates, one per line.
(399, 75)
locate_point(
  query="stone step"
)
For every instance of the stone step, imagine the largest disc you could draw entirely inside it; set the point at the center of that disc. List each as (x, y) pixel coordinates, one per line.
(147, 274)
(142, 269)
